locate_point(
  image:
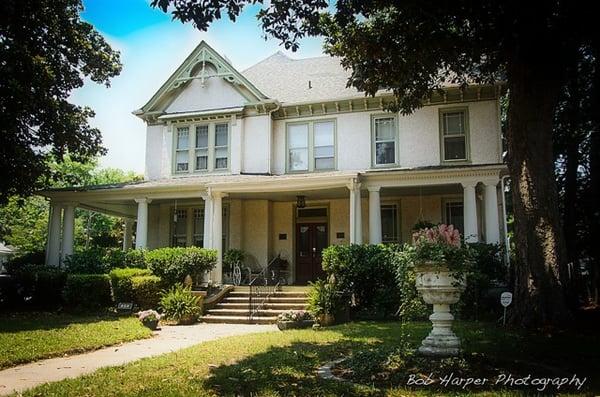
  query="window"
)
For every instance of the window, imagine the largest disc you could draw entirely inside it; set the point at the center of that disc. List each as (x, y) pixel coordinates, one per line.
(384, 136)
(453, 214)
(221, 146)
(182, 149)
(201, 148)
(389, 223)
(454, 135)
(198, 237)
(297, 147)
(324, 145)
(179, 228)
(311, 146)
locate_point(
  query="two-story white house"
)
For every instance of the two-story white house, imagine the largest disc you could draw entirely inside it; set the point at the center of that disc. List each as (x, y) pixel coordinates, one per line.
(284, 158)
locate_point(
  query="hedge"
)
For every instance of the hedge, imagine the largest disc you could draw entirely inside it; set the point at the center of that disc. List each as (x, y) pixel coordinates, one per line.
(33, 286)
(87, 291)
(121, 282)
(146, 291)
(172, 265)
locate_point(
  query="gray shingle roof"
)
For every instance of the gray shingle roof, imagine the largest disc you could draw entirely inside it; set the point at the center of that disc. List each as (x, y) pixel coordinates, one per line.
(287, 80)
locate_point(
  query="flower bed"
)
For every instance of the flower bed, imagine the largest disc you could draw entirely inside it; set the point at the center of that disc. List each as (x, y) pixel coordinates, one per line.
(294, 319)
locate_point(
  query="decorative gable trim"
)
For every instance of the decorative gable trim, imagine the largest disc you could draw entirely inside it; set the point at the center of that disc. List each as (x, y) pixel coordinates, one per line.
(202, 55)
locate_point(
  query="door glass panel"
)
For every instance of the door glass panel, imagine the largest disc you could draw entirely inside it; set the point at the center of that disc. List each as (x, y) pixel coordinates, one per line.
(320, 238)
(304, 241)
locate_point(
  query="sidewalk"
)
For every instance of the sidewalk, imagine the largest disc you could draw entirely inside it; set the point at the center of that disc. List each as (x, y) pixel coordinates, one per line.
(167, 340)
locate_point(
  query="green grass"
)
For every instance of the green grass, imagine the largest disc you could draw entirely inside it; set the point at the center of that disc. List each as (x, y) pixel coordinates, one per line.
(284, 363)
(34, 336)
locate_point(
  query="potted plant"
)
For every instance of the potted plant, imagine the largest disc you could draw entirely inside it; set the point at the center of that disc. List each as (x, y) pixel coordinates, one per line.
(149, 318)
(294, 319)
(180, 305)
(441, 263)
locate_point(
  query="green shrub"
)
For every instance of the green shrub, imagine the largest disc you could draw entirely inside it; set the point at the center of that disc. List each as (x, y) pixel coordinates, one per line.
(20, 260)
(323, 298)
(120, 280)
(180, 305)
(135, 258)
(87, 291)
(38, 286)
(365, 276)
(172, 265)
(146, 291)
(412, 306)
(87, 261)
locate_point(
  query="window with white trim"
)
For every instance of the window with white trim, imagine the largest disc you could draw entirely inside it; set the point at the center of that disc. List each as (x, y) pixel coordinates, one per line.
(454, 135)
(384, 140)
(311, 146)
(182, 149)
(179, 238)
(221, 146)
(390, 229)
(187, 226)
(202, 147)
(454, 214)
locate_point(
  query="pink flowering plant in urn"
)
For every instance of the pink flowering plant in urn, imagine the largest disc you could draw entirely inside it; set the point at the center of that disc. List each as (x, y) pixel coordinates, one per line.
(441, 263)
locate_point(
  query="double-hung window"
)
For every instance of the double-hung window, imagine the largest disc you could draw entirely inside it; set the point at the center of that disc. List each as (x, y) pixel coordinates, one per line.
(454, 214)
(182, 156)
(201, 147)
(385, 135)
(311, 146)
(390, 230)
(454, 130)
(187, 226)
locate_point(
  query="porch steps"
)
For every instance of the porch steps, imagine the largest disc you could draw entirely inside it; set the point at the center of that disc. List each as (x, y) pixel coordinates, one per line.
(234, 308)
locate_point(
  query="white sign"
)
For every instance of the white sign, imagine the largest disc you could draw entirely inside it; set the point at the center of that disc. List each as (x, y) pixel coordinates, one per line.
(506, 299)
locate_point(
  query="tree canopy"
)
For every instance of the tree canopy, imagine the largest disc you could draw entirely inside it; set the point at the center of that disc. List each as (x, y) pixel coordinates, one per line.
(46, 51)
(413, 47)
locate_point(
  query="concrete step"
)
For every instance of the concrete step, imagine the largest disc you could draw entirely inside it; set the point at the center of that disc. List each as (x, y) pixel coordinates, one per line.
(275, 294)
(244, 312)
(271, 299)
(238, 319)
(267, 305)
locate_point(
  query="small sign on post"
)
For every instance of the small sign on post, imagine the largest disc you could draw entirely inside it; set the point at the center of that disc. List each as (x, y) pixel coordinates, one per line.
(505, 301)
(124, 307)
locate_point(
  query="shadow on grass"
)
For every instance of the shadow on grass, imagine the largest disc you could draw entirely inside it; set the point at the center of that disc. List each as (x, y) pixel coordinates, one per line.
(34, 321)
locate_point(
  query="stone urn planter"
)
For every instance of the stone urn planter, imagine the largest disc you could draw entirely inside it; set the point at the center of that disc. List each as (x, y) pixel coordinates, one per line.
(283, 325)
(440, 289)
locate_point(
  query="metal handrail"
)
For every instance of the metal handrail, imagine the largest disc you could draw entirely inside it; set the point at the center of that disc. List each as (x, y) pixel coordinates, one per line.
(258, 291)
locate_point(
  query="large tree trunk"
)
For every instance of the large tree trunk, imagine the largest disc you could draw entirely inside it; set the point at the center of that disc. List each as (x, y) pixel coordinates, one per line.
(539, 296)
(592, 208)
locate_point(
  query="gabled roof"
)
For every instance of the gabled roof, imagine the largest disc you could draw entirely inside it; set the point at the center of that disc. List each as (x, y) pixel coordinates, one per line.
(203, 53)
(287, 80)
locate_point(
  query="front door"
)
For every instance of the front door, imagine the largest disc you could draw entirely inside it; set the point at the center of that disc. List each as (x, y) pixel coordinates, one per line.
(311, 240)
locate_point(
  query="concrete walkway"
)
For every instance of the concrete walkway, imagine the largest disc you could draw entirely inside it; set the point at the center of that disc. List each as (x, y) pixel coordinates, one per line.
(169, 339)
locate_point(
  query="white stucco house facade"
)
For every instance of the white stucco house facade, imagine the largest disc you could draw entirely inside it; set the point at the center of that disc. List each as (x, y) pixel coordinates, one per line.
(284, 159)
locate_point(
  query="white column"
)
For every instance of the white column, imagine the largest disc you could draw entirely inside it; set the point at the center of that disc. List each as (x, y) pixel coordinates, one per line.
(68, 229)
(208, 214)
(374, 215)
(53, 244)
(217, 234)
(492, 225)
(470, 212)
(355, 213)
(127, 233)
(141, 231)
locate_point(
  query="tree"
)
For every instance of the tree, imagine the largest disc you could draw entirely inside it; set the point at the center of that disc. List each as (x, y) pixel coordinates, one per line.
(412, 47)
(24, 221)
(46, 51)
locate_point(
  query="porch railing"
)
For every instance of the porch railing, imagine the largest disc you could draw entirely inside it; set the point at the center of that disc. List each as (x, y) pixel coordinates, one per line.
(262, 286)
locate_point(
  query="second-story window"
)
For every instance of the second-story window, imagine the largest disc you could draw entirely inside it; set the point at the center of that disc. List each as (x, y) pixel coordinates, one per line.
(453, 126)
(182, 149)
(384, 136)
(311, 146)
(201, 147)
(221, 145)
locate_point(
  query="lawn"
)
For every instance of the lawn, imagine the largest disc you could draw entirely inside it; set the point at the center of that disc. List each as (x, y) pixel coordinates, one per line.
(33, 336)
(285, 363)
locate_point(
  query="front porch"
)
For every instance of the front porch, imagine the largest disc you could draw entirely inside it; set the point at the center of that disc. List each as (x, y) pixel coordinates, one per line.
(293, 216)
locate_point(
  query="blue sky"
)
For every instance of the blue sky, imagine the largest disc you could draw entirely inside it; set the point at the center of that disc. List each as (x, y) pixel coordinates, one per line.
(152, 46)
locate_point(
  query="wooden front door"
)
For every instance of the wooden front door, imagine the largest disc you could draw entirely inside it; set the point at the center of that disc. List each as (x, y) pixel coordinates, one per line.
(311, 240)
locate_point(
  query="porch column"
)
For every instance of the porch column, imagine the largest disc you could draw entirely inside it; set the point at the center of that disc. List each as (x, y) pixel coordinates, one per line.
(68, 230)
(492, 225)
(355, 213)
(470, 212)
(208, 214)
(141, 231)
(127, 233)
(217, 234)
(53, 244)
(374, 215)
